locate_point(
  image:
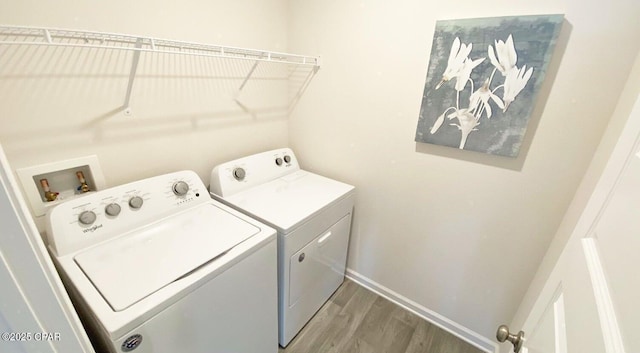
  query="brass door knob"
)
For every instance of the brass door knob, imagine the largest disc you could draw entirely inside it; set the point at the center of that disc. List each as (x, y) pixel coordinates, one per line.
(503, 334)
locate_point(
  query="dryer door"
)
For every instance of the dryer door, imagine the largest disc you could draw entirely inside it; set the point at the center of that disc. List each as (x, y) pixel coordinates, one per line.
(318, 268)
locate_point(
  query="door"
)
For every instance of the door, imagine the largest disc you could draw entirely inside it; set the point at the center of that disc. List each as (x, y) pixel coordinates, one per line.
(590, 300)
(35, 313)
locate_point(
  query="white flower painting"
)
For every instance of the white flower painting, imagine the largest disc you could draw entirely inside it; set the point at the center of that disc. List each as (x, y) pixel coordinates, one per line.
(482, 80)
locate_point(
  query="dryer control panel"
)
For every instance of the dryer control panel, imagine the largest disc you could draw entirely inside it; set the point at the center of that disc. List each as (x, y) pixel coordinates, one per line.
(97, 216)
(244, 173)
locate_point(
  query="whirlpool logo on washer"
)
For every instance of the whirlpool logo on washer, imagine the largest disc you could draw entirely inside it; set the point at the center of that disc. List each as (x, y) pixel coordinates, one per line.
(131, 343)
(92, 229)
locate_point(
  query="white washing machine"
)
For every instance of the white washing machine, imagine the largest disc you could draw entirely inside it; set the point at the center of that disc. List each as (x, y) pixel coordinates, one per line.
(158, 266)
(312, 215)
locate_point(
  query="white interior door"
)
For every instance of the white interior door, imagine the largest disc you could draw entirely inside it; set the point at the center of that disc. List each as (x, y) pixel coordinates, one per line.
(590, 302)
(35, 312)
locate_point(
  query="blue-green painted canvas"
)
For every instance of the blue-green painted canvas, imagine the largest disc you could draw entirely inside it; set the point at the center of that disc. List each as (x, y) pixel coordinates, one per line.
(482, 81)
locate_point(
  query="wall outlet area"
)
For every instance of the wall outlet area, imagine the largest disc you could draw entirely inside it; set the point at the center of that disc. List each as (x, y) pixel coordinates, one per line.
(49, 184)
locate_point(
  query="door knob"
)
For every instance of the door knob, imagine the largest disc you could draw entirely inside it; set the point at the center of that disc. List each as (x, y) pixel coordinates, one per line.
(503, 334)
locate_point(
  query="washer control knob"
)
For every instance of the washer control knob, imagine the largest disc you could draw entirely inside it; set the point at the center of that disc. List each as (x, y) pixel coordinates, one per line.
(287, 158)
(136, 202)
(112, 209)
(180, 188)
(239, 174)
(279, 161)
(87, 217)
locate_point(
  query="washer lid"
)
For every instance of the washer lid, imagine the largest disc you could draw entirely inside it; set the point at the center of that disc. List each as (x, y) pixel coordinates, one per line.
(288, 201)
(135, 265)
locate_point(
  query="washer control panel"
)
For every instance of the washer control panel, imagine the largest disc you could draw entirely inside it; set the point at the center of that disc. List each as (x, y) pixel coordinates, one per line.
(97, 216)
(244, 173)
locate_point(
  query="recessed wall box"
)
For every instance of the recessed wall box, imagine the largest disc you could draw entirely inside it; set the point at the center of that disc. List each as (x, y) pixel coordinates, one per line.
(61, 178)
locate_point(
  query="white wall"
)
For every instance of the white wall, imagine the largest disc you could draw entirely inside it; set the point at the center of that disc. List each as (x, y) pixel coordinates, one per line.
(65, 103)
(460, 233)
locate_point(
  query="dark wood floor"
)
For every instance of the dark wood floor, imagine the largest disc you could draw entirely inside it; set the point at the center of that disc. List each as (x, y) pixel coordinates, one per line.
(356, 320)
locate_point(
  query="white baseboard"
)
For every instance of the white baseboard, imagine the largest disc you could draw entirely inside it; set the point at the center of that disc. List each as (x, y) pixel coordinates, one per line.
(444, 323)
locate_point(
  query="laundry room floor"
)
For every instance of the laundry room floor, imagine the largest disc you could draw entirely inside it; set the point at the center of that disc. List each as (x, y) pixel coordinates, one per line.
(358, 320)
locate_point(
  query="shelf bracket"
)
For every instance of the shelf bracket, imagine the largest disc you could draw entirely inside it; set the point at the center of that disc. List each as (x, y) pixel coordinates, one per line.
(47, 36)
(132, 75)
(246, 79)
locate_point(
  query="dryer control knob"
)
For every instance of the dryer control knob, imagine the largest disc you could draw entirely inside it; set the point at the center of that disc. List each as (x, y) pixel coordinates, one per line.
(287, 159)
(112, 209)
(239, 174)
(87, 217)
(180, 188)
(136, 202)
(278, 161)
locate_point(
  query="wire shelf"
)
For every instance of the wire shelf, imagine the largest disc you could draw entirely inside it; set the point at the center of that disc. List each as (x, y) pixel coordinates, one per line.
(16, 35)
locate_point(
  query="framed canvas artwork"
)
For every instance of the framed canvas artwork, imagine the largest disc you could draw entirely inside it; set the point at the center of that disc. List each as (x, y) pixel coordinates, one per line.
(482, 81)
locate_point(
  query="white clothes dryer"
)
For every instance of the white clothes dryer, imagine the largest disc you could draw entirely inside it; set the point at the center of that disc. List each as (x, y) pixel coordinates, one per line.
(158, 266)
(312, 215)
